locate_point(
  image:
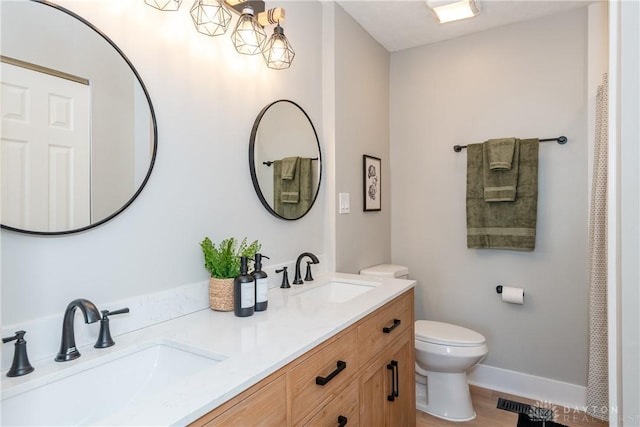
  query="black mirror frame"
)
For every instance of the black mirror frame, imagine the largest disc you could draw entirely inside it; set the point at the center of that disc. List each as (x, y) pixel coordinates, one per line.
(153, 120)
(252, 166)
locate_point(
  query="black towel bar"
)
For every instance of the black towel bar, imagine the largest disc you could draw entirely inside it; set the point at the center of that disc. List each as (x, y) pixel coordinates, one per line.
(270, 162)
(560, 140)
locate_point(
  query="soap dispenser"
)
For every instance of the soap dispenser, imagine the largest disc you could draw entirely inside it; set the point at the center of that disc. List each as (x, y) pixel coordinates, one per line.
(261, 283)
(243, 291)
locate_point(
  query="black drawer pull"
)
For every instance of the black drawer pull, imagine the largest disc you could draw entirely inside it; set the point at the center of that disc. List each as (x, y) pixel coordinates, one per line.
(340, 366)
(342, 421)
(395, 380)
(388, 329)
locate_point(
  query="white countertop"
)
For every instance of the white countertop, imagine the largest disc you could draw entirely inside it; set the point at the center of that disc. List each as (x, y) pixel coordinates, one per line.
(252, 347)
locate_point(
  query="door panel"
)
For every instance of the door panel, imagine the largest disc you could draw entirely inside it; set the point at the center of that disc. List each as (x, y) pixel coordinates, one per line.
(45, 150)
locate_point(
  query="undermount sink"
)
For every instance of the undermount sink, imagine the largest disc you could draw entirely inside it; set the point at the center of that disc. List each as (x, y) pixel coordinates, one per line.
(336, 292)
(96, 393)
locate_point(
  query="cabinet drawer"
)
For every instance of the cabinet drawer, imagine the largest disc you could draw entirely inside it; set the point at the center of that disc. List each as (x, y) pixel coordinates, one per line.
(334, 365)
(343, 410)
(266, 407)
(385, 325)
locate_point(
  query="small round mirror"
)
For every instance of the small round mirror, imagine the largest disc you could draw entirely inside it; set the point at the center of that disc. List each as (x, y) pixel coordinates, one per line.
(285, 160)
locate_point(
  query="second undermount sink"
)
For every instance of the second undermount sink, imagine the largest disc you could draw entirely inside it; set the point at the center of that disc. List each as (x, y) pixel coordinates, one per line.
(336, 292)
(99, 392)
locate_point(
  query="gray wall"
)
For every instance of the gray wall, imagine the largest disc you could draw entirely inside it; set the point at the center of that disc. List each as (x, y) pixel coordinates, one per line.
(524, 80)
(362, 127)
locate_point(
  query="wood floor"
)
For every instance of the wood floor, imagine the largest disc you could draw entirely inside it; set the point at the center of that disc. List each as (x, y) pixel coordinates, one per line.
(487, 415)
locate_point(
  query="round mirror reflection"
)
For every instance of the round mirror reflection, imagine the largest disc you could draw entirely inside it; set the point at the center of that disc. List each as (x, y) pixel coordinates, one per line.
(78, 128)
(285, 160)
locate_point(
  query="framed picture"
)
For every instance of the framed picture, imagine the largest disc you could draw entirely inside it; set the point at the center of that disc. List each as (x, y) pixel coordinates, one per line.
(372, 180)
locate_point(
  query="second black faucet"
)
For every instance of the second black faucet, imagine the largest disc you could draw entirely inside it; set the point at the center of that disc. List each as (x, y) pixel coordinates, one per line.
(298, 277)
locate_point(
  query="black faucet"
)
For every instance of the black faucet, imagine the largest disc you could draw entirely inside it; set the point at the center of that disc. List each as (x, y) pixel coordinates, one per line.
(68, 350)
(314, 260)
(20, 365)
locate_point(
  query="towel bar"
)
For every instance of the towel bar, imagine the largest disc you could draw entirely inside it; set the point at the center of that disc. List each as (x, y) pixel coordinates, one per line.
(270, 162)
(560, 140)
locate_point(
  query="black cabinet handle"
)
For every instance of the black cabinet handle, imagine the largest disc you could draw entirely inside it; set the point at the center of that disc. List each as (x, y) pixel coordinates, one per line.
(342, 421)
(340, 366)
(388, 329)
(393, 367)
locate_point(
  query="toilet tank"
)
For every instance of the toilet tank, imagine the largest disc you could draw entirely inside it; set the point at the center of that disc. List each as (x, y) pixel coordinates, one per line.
(386, 270)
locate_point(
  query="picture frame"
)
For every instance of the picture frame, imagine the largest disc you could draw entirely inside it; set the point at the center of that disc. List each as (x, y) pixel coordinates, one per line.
(372, 183)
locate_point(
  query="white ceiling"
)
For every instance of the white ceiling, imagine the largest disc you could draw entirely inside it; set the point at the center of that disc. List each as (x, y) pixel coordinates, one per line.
(403, 24)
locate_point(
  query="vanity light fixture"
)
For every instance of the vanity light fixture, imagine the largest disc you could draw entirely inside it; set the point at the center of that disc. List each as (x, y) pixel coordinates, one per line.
(278, 53)
(248, 36)
(164, 4)
(212, 17)
(454, 10)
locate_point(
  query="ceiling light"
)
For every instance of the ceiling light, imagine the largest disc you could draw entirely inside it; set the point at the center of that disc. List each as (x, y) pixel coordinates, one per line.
(453, 10)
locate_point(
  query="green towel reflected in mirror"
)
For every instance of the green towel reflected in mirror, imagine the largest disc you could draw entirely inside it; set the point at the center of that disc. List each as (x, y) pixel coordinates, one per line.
(292, 191)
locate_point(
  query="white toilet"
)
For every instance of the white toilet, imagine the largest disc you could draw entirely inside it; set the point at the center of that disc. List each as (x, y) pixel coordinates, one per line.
(444, 354)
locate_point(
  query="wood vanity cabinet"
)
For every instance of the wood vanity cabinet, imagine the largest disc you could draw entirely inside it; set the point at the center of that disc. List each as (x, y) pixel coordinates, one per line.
(362, 376)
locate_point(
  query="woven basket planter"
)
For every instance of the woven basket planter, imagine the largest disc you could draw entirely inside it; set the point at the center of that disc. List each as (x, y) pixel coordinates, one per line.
(221, 294)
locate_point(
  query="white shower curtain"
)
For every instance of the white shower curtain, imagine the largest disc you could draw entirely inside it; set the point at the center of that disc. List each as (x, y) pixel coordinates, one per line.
(598, 383)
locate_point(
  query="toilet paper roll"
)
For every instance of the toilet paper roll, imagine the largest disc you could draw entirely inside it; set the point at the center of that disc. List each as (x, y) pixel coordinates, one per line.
(512, 295)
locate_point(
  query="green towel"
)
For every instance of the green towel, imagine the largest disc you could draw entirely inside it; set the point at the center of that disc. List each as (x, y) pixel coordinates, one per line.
(292, 198)
(503, 225)
(500, 184)
(289, 165)
(500, 153)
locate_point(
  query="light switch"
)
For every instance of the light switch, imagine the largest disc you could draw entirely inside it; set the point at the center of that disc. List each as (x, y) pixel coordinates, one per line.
(345, 204)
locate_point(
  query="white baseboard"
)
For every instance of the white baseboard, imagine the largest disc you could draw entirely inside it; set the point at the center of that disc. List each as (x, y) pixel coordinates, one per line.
(535, 388)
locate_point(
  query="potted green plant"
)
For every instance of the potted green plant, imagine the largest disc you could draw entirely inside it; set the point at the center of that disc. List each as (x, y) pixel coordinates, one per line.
(223, 264)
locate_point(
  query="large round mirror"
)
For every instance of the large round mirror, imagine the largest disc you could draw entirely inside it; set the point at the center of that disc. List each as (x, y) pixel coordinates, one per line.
(78, 128)
(285, 160)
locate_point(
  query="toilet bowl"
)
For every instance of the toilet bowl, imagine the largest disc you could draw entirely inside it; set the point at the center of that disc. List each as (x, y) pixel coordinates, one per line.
(444, 354)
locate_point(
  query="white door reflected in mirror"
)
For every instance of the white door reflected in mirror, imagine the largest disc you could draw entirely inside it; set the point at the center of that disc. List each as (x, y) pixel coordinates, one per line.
(45, 150)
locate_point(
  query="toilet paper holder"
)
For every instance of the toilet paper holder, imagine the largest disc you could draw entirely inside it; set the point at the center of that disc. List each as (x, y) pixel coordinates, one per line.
(499, 289)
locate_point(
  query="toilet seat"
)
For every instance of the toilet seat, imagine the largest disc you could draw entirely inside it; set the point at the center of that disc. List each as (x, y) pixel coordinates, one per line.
(447, 334)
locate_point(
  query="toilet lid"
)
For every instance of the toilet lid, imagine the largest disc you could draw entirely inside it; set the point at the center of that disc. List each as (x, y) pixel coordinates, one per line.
(447, 334)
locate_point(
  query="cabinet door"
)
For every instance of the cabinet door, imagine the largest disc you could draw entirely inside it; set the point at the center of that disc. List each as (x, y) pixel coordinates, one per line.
(372, 395)
(387, 386)
(400, 379)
